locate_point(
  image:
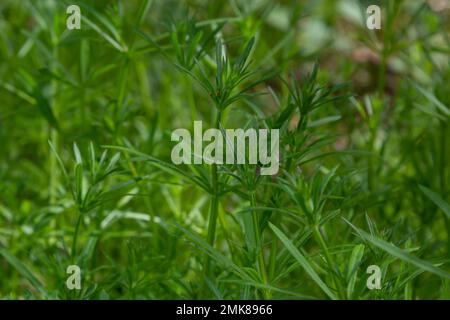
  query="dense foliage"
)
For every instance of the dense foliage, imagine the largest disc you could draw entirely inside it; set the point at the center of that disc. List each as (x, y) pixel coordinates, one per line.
(86, 176)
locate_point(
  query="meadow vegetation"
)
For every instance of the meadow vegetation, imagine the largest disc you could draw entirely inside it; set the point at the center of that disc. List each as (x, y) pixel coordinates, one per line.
(86, 176)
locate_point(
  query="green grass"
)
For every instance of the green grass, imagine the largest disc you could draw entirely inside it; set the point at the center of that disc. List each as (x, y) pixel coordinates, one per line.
(86, 176)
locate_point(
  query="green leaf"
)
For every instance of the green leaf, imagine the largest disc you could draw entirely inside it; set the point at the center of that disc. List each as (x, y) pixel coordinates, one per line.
(223, 261)
(89, 249)
(432, 98)
(103, 34)
(400, 253)
(354, 263)
(143, 10)
(302, 260)
(323, 121)
(24, 271)
(78, 173)
(243, 58)
(61, 164)
(165, 166)
(77, 154)
(44, 107)
(437, 199)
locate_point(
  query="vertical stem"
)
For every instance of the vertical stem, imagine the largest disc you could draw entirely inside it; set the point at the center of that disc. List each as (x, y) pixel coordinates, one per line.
(319, 238)
(53, 134)
(84, 60)
(213, 213)
(123, 78)
(370, 165)
(214, 206)
(273, 258)
(75, 237)
(260, 254)
(190, 98)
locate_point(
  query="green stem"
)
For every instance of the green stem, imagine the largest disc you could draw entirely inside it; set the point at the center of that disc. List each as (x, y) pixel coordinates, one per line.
(75, 237)
(214, 206)
(260, 254)
(319, 238)
(370, 166)
(190, 98)
(53, 134)
(273, 258)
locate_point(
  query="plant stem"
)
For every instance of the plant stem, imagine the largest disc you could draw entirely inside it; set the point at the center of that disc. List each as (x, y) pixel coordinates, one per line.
(53, 134)
(319, 238)
(190, 98)
(273, 258)
(260, 254)
(214, 206)
(75, 237)
(371, 160)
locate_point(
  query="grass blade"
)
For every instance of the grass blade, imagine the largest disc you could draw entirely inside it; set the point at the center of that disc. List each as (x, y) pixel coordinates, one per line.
(437, 199)
(303, 261)
(24, 271)
(432, 98)
(355, 260)
(399, 253)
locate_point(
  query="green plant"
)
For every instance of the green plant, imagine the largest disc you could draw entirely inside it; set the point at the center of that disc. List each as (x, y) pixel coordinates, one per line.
(86, 175)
